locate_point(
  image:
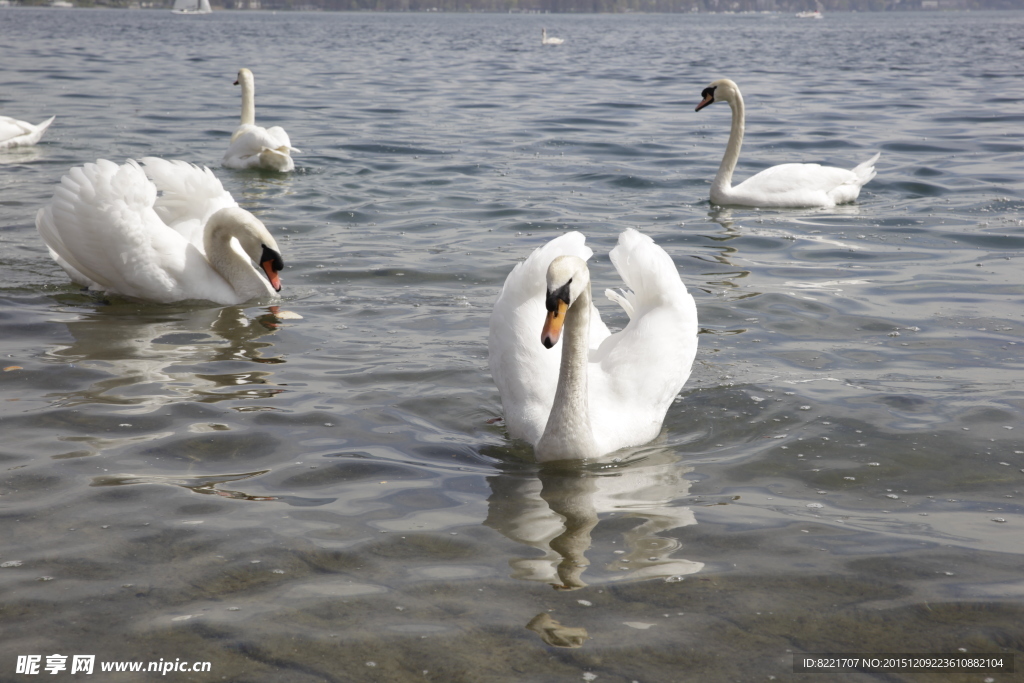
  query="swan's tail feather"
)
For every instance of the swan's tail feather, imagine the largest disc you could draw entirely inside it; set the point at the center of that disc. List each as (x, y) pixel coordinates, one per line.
(277, 159)
(866, 171)
(37, 134)
(41, 128)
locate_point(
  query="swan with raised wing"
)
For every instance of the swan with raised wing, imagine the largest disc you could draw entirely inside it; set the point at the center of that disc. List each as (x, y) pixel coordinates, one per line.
(15, 133)
(603, 391)
(253, 146)
(162, 233)
(786, 185)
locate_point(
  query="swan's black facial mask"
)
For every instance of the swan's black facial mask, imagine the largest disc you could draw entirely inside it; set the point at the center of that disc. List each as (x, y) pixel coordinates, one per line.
(276, 262)
(709, 96)
(560, 294)
(272, 264)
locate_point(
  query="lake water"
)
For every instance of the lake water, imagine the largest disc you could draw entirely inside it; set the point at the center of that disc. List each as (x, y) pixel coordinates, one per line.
(333, 497)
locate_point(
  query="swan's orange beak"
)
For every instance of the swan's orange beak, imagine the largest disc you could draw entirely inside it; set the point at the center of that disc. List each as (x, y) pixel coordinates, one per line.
(272, 264)
(553, 325)
(275, 279)
(708, 99)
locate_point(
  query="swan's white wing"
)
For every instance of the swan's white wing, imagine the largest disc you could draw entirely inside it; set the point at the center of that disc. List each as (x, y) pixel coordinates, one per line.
(794, 185)
(525, 372)
(255, 147)
(15, 133)
(637, 372)
(13, 128)
(102, 228)
(188, 196)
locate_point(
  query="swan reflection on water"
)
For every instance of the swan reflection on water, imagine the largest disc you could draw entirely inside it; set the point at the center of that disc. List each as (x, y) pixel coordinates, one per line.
(19, 155)
(819, 226)
(557, 509)
(152, 356)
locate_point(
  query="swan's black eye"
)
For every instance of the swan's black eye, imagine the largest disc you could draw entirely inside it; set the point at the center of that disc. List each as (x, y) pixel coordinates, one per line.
(560, 294)
(708, 92)
(275, 258)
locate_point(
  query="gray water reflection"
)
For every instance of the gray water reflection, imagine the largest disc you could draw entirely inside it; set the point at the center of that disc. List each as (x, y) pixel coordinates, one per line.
(557, 511)
(207, 485)
(151, 357)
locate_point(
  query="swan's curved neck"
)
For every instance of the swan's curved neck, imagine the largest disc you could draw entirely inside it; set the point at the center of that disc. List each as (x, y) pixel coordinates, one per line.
(723, 179)
(230, 264)
(568, 433)
(248, 101)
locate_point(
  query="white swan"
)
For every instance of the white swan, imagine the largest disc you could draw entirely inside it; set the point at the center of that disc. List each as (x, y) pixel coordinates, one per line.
(255, 147)
(15, 133)
(175, 235)
(603, 391)
(544, 40)
(786, 185)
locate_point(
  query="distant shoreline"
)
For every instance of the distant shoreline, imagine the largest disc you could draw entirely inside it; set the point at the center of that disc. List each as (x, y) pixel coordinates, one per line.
(485, 7)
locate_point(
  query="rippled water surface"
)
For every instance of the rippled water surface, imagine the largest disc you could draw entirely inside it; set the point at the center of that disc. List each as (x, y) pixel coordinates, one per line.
(331, 495)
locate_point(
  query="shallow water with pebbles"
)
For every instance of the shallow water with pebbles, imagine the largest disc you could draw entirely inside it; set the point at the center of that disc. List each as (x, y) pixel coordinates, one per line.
(323, 491)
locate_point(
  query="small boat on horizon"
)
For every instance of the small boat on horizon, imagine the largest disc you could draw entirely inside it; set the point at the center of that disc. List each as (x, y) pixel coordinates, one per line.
(816, 13)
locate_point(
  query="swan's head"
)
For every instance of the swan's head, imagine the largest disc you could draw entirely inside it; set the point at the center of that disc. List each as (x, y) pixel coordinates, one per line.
(254, 238)
(722, 90)
(244, 76)
(568, 277)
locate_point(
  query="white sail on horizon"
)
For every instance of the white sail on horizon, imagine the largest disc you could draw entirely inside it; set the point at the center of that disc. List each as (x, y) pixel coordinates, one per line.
(192, 7)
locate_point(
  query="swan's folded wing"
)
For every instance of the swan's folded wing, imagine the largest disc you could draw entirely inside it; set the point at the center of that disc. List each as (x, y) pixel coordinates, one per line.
(642, 368)
(102, 224)
(255, 147)
(248, 140)
(12, 128)
(525, 372)
(795, 177)
(189, 195)
(789, 185)
(280, 139)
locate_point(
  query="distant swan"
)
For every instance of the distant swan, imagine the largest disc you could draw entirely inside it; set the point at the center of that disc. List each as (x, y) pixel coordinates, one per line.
(175, 235)
(544, 40)
(603, 391)
(15, 133)
(255, 147)
(786, 185)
